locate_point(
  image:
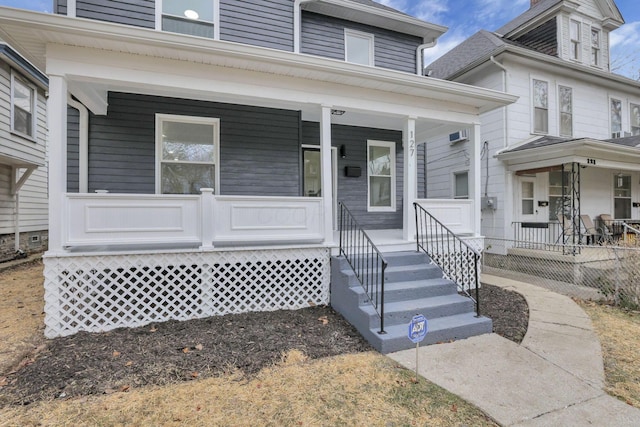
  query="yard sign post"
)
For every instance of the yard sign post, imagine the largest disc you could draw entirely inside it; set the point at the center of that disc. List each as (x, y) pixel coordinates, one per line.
(417, 332)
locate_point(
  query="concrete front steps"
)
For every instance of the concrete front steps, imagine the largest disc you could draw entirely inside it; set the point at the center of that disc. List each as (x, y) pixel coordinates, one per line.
(412, 286)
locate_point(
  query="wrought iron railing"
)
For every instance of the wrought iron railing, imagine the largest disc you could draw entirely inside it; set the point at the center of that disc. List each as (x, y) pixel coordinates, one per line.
(365, 259)
(454, 256)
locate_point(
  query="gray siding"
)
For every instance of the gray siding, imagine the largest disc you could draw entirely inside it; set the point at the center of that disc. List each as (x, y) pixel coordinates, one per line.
(259, 147)
(421, 172)
(60, 7)
(139, 13)
(73, 144)
(353, 191)
(543, 39)
(265, 23)
(324, 36)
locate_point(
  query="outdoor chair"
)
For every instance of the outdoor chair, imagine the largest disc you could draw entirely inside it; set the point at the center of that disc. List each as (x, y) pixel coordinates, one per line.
(591, 233)
(566, 228)
(607, 228)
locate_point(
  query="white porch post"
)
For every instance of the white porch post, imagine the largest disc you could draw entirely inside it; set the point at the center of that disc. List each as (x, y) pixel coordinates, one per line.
(327, 188)
(207, 217)
(475, 177)
(410, 155)
(57, 123)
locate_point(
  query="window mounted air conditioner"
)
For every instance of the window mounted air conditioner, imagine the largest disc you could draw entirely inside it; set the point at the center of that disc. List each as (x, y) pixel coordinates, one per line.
(461, 135)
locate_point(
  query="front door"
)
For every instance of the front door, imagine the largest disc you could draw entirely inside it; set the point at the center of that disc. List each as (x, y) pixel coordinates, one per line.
(312, 176)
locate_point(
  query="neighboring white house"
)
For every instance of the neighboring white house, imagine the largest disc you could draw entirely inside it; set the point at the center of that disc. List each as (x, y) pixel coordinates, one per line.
(23, 150)
(569, 145)
(214, 143)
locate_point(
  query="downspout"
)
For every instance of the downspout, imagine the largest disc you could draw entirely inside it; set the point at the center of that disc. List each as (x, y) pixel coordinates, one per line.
(297, 25)
(505, 111)
(508, 215)
(420, 56)
(83, 145)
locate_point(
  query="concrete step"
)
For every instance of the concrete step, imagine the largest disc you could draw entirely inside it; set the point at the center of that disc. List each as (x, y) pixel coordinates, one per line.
(405, 273)
(416, 289)
(406, 258)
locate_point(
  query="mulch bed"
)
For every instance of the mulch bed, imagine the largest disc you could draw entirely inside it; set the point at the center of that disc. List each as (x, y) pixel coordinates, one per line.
(171, 352)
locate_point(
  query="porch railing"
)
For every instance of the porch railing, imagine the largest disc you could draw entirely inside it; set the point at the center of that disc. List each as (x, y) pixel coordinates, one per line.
(454, 256)
(365, 259)
(545, 236)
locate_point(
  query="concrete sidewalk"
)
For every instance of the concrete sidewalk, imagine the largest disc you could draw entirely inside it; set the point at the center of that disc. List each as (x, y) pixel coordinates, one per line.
(554, 378)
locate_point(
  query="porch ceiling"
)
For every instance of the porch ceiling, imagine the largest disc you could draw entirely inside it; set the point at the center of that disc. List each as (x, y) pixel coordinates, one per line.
(41, 36)
(585, 151)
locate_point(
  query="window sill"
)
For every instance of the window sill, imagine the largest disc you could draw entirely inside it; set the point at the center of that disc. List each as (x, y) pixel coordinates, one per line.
(381, 209)
(24, 136)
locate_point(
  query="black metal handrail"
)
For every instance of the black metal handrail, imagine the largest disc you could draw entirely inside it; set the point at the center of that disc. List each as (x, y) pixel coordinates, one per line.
(454, 256)
(365, 259)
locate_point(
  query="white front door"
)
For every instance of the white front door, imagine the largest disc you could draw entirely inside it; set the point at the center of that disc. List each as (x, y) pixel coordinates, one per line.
(312, 176)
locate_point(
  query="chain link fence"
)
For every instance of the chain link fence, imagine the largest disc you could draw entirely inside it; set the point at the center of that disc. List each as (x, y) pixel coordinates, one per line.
(597, 272)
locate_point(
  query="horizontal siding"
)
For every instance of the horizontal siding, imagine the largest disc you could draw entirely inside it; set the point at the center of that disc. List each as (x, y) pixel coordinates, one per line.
(139, 13)
(259, 147)
(265, 23)
(60, 7)
(543, 39)
(73, 150)
(324, 36)
(353, 191)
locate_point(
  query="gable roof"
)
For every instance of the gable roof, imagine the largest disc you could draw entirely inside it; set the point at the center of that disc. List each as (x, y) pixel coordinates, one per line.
(546, 141)
(14, 59)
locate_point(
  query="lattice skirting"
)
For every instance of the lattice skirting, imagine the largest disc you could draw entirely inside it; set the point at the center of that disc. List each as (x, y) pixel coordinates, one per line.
(103, 292)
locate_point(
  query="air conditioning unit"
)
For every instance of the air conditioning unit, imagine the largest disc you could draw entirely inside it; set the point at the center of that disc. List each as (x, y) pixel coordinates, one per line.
(461, 135)
(627, 134)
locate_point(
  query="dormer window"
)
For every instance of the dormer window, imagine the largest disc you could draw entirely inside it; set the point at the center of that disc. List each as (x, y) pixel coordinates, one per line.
(595, 47)
(575, 40)
(193, 17)
(358, 47)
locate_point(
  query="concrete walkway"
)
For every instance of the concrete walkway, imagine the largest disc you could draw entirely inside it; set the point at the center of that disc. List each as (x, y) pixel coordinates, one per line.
(554, 378)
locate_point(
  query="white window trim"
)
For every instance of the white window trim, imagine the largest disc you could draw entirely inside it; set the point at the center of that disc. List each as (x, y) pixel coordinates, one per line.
(453, 184)
(216, 18)
(215, 122)
(34, 107)
(392, 150)
(622, 118)
(578, 40)
(533, 106)
(614, 175)
(630, 111)
(599, 47)
(558, 86)
(356, 33)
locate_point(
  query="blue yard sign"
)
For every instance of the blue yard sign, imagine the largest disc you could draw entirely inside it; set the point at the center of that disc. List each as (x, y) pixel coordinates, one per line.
(417, 328)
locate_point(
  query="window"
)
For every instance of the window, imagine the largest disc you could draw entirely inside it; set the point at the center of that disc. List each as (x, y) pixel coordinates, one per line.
(558, 186)
(540, 106)
(622, 196)
(616, 118)
(595, 47)
(358, 47)
(381, 167)
(23, 107)
(527, 198)
(187, 153)
(635, 119)
(193, 17)
(566, 110)
(461, 185)
(575, 40)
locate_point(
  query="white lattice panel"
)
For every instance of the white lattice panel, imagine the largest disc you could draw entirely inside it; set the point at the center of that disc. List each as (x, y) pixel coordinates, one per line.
(100, 293)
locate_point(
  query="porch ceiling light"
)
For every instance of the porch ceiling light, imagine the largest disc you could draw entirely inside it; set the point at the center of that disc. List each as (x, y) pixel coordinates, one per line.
(191, 14)
(337, 112)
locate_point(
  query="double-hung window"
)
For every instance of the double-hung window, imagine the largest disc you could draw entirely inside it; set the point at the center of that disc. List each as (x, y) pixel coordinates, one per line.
(187, 153)
(595, 47)
(358, 47)
(461, 185)
(565, 95)
(622, 196)
(634, 119)
(381, 170)
(193, 17)
(616, 118)
(540, 106)
(23, 107)
(574, 30)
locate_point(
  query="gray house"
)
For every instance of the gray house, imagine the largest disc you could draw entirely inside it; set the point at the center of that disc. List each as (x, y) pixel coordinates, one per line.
(23, 170)
(199, 150)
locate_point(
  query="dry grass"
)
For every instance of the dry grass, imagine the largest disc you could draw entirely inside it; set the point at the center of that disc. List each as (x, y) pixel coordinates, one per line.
(21, 317)
(619, 332)
(354, 389)
(360, 389)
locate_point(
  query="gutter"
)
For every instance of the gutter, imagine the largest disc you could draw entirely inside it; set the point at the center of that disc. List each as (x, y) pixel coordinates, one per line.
(83, 145)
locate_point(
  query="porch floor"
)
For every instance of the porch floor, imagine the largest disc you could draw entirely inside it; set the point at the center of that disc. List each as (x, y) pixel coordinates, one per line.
(386, 240)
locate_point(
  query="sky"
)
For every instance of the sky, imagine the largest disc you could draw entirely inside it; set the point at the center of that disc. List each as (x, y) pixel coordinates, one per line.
(465, 17)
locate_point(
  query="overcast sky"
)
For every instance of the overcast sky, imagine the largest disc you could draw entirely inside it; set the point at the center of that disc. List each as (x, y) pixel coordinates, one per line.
(465, 17)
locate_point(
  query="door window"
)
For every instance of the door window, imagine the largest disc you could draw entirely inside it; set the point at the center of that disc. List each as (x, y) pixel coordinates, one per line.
(381, 159)
(527, 197)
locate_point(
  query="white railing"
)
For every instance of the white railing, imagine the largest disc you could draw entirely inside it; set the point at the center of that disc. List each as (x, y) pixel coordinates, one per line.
(458, 215)
(190, 220)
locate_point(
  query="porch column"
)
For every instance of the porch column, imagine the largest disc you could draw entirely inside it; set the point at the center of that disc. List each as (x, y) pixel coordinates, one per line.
(475, 177)
(57, 123)
(409, 187)
(327, 188)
